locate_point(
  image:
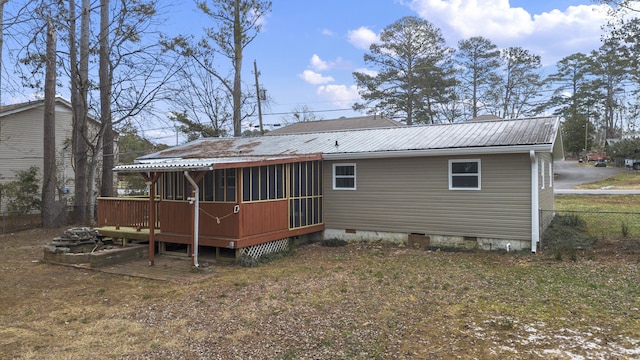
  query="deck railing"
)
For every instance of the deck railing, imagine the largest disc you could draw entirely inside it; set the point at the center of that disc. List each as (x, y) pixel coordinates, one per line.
(126, 211)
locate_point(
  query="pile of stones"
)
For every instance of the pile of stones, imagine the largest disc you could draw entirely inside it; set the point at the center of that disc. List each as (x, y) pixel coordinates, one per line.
(75, 240)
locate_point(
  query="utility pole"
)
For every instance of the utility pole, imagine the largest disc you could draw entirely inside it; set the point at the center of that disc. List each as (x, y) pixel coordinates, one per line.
(259, 95)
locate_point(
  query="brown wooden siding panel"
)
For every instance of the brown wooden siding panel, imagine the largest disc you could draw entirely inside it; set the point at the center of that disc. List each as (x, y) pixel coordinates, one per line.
(229, 222)
(176, 217)
(264, 217)
(412, 195)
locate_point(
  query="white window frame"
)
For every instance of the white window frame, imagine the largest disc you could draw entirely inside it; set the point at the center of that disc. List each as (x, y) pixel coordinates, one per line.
(542, 175)
(344, 176)
(550, 174)
(478, 175)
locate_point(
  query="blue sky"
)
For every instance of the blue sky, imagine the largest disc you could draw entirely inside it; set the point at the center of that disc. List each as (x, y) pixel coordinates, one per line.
(308, 50)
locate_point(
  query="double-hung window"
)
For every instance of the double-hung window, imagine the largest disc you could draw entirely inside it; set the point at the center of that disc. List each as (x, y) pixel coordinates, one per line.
(464, 174)
(344, 176)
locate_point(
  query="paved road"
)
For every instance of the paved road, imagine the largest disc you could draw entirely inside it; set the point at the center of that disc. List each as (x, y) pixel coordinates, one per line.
(569, 173)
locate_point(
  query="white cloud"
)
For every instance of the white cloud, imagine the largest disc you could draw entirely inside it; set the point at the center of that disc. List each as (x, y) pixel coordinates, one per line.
(362, 37)
(327, 32)
(315, 78)
(552, 34)
(342, 96)
(366, 71)
(318, 64)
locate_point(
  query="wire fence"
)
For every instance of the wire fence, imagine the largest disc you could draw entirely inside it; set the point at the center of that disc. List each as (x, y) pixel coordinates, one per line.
(603, 224)
(15, 222)
(12, 222)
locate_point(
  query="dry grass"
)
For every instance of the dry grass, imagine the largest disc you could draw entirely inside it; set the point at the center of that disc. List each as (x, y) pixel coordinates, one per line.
(362, 301)
(623, 181)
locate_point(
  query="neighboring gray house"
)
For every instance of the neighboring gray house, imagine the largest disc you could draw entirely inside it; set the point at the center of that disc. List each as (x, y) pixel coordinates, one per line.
(361, 122)
(22, 141)
(468, 185)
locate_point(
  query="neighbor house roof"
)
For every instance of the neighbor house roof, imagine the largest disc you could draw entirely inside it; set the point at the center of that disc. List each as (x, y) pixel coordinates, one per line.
(14, 108)
(486, 117)
(362, 122)
(503, 136)
(6, 110)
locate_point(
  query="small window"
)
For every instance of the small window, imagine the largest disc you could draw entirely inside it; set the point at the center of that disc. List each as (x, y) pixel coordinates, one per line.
(344, 176)
(550, 174)
(542, 175)
(464, 174)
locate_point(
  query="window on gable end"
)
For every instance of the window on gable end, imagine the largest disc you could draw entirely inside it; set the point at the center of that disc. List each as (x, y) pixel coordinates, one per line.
(464, 174)
(344, 176)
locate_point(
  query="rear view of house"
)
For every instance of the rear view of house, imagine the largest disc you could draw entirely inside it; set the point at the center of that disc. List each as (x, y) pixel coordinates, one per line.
(469, 185)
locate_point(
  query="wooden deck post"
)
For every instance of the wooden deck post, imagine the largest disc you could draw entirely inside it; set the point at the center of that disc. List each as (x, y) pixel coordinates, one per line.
(151, 179)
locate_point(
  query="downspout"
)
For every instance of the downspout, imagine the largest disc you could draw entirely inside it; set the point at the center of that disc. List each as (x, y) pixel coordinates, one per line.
(535, 214)
(196, 217)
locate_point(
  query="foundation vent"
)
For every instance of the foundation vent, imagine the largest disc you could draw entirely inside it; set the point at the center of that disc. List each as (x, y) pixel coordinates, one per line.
(419, 241)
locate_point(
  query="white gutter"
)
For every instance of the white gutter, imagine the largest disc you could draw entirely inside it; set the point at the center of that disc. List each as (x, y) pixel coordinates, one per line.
(535, 214)
(196, 218)
(524, 149)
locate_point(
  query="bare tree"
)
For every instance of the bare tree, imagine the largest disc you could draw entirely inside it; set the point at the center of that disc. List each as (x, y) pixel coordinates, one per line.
(236, 25)
(133, 72)
(519, 86)
(49, 141)
(79, 73)
(301, 113)
(108, 162)
(202, 106)
(2, 2)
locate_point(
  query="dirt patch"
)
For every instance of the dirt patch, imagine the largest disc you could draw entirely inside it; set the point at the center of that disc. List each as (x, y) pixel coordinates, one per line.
(360, 301)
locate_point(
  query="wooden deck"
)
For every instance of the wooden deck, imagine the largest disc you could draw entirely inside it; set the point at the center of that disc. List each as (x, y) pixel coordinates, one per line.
(126, 232)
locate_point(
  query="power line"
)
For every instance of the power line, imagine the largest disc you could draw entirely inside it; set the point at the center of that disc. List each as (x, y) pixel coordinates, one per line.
(308, 111)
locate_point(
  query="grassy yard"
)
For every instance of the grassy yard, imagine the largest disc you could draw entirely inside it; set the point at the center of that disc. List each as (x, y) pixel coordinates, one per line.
(361, 301)
(605, 215)
(623, 181)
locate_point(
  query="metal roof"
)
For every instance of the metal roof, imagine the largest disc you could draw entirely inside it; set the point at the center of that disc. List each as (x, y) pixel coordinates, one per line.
(199, 164)
(501, 136)
(362, 122)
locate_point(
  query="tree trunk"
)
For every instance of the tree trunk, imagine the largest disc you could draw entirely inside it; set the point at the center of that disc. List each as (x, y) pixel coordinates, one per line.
(49, 141)
(80, 137)
(108, 161)
(93, 169)
(2, 2)
(237, 64)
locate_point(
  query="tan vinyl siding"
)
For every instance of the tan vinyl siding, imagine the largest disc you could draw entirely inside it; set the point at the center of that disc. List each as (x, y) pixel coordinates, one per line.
(545, 195)
(21, 144)
(411, 195)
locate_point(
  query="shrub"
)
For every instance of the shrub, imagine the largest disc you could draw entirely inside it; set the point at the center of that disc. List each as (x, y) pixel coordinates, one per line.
(247, 261)
(23, 193)
(625, 230)
(250, 261)
(565, 235)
